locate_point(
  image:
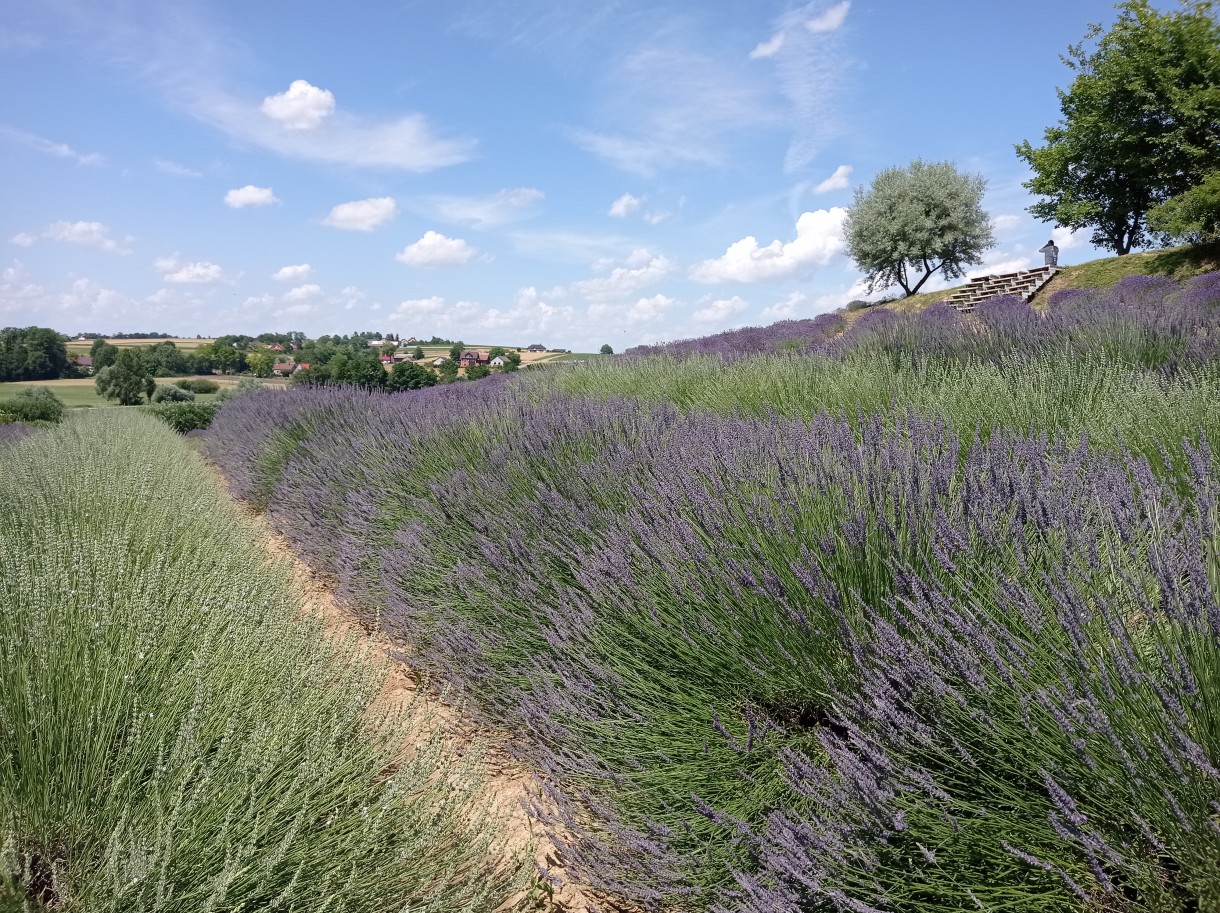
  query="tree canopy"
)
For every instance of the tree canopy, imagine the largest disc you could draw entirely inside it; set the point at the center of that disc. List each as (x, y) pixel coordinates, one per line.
(1138, 123)
(127, 380)
(32, 353)
(913, 221)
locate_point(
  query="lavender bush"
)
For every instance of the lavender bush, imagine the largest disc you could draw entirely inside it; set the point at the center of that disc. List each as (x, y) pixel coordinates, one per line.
(953, 648)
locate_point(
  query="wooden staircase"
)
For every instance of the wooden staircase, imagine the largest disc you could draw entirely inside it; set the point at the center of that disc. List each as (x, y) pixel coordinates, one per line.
(1023, 283)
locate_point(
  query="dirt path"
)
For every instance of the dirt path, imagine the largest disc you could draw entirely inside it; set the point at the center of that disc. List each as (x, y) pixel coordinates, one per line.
(421, 714)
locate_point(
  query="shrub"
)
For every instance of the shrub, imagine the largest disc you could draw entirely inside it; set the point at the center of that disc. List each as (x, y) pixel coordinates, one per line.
(168, 393)
(33, 404)
(198, 385)
(185, 417)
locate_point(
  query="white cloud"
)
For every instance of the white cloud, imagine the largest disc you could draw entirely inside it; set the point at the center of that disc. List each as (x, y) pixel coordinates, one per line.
(241, 197)
(1005, 222)
(84, 234)
(14, 284)
(720, 310)
(199, 273)
(1066, 239)
(293, 273)
(830, 20)
(178, 171)
(484, 212)
(363, 215)
(295, 310)
(50, 147)
(992, 268)
(642, 269)
(837, 181)
(350, 297)
(625, 206)
(819, 236)
(302, 107)
(303, 292)
(532, 314)
(785, 309)
(418, 307)
(647, 310)
(768, 48)
(434, 249)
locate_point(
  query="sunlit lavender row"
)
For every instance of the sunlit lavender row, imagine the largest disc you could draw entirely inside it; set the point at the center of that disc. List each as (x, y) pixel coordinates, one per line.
(786, 660)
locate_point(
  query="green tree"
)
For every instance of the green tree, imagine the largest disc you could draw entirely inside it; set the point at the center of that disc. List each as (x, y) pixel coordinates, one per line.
(915, 221)
(495, 351)
(409, 376)
(418, 354)
(260, 363)
(365, 370)
(1138, 123)
(477, 372)
(512, 361)
(32, 353)
(1192, 217)
(606, 349)
(455, 351)
(448, 370)
(127, 380)
(103, 354)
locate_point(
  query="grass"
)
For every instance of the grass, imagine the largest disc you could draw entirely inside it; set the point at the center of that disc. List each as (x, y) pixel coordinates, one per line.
(185, 344)
(176, 737)
(82, 392)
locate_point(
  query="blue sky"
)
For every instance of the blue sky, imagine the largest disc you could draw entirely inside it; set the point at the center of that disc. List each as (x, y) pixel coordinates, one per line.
(559, 172)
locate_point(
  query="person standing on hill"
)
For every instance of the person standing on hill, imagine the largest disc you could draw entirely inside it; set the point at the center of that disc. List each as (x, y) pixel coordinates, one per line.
(1050, 251)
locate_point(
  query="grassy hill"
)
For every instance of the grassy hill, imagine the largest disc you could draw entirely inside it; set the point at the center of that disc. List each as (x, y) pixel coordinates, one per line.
(1175, 262)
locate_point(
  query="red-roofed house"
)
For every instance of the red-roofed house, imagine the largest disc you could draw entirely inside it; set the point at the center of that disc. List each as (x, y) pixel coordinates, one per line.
(470, 359)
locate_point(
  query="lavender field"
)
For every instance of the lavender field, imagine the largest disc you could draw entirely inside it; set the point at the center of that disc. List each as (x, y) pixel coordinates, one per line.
(916, 614)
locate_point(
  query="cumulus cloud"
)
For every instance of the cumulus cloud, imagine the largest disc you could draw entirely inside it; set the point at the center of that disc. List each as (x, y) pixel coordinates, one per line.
(295, 310)
(641, 269)
(241, 197)
(15, 284)
(293, 273)
(484, 212)
(532, 313)
(303, 292)
(363, 215)
(175, 270)
(830, 20)
(785, 309)
(302, 107)
(646, 310)
(418, 307)
(84, 234)
(1066, 238)
(625, 206)
(837, 181)
(434, 249)
(1005, 222)
(720, 310)
(819, 236)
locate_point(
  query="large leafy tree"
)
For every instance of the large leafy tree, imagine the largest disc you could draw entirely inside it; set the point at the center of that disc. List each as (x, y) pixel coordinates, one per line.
(32, 353)
(915, 221)
(128, 380)
(1138, 123)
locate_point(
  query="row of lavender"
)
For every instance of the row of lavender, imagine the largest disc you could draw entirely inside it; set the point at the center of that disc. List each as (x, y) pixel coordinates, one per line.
(776, 664)
(1150, 320)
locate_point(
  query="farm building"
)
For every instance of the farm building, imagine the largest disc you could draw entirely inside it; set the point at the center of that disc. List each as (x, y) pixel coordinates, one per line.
(470, 359)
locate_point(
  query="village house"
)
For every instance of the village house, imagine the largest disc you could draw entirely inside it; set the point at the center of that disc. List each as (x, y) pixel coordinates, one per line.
(470, 359)
(283, 368)
(437, 362)
(536, 347)
(499, 361)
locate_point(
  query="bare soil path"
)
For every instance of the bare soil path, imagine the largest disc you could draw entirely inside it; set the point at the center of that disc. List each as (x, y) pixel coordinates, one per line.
(419, 713)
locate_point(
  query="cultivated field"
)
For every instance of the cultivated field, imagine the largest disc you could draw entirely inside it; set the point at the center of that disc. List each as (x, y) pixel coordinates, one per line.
(914, 614)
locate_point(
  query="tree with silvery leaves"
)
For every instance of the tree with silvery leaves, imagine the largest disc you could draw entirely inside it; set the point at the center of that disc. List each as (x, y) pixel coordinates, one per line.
(916, 221)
